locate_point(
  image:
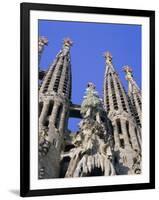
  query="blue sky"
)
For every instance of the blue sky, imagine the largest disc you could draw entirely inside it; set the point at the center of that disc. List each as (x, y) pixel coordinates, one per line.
(91, 40)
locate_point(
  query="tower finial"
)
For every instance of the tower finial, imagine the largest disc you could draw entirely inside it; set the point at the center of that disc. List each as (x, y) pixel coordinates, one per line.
(108, 57)
(129, 77)
(67, 42)
(91, 85)
(41, 42)
(128, 70)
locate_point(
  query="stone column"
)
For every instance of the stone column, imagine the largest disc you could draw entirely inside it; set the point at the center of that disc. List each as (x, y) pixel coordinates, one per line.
(125, 135)
(52, 120)
(44, 112)
(116, 135)
(63, 119)
(54, 113)
(133, 136)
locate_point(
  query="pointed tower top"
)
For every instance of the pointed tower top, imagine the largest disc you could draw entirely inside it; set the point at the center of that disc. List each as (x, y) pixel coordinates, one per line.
(42, 41)
(67, 42)
(133, 87)
(91, 85)
(128, 70)
(108, 57)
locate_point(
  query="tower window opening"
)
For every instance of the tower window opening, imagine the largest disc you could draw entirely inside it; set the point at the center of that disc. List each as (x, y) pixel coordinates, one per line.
(119, 126)
(46, 122)
(65, 90)
(40, 107)
(47, 83)
(45, 89)
(128, 133)
(64, 166)
(55, 88)
(122, 143)
(50, 108)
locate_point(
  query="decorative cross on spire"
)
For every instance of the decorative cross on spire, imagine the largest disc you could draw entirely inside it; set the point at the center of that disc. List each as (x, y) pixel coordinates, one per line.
(108, 57)
(67, 41)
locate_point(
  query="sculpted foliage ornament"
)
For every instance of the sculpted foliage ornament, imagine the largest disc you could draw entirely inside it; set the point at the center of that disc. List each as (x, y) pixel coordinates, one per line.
(92, 154)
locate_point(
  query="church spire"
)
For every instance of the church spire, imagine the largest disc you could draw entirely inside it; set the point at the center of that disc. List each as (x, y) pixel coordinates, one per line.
(58, 77)
(119, 110)
(54, 103)
(108, 58)
(109, 62)
(132, 87)
(113, 88)
(134, 93)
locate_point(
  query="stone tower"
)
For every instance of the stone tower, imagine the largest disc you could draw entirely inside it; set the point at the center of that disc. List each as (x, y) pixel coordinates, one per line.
(119, 108)
(134, 94)
(54, 102)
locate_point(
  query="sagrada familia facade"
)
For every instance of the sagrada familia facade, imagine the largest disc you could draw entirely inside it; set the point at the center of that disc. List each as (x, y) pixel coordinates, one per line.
(109, 139)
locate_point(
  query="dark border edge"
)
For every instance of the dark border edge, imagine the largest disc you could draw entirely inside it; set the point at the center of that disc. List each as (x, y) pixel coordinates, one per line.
(87, 9)
(24, 101)
(25, 104)
(152, 98)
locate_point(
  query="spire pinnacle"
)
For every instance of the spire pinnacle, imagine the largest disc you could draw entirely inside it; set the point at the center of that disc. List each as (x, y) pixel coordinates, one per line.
(129, 77)
(41, 42)
(91, 85)
(128, 70)
(67, 42)
(108, 57)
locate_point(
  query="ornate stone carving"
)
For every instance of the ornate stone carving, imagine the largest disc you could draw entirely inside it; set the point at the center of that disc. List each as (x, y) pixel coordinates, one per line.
(92, 146)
